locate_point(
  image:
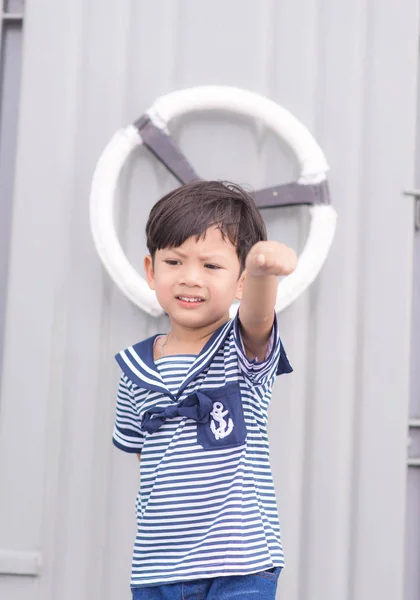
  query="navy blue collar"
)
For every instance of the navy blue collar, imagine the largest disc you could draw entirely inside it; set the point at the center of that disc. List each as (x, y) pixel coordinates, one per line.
(138, 364)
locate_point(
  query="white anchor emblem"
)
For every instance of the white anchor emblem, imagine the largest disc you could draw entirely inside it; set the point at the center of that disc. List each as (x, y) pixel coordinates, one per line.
(218, 415)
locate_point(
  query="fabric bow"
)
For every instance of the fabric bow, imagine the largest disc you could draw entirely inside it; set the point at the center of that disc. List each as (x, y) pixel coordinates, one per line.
(197, 406)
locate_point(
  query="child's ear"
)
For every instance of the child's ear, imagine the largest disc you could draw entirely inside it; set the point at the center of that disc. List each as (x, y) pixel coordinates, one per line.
(150, 274)
(240, 286)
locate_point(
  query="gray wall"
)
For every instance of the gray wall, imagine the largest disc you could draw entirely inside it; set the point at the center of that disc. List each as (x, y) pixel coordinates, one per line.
(10, 68)
(339, 424)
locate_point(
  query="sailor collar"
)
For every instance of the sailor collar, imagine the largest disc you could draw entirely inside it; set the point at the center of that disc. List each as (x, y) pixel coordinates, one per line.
(138, 365)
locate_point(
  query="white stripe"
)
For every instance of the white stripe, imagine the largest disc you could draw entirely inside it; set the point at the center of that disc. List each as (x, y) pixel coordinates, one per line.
(226, 528)
(139, 374)
(206, 562)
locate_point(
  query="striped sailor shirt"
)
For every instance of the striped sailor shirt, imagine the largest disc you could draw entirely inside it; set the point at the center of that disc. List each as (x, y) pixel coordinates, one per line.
(206, 506)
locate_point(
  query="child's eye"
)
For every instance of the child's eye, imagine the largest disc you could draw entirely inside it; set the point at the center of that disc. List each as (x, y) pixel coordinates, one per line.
(213, 267)
(171, 262)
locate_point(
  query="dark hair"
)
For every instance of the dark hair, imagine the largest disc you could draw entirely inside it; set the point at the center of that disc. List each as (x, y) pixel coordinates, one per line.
(192, 208)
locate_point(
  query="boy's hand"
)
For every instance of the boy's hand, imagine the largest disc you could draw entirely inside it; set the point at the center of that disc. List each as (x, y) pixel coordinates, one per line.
(270, 258)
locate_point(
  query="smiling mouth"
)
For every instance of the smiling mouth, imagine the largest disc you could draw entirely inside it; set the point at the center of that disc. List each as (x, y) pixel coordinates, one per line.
(192, 300)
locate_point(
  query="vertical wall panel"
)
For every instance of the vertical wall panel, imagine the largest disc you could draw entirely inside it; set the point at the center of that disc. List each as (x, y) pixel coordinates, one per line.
(33, 385)
(412, 542)
(338, 424)
(331, 398)
(10, 66)
(385, 306)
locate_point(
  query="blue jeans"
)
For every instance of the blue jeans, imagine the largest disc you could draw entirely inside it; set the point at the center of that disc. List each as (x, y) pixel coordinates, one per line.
(258, 586)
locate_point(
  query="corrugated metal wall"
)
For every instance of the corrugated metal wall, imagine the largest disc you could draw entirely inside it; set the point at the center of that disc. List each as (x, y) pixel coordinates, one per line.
(339, 423)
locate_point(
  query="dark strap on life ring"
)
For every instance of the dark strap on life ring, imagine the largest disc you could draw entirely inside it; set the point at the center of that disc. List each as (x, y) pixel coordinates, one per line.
(162, 145)
(164, 148)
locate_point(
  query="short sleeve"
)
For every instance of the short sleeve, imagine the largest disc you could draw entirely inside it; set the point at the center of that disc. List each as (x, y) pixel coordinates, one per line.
(275, 362)
(127, 434)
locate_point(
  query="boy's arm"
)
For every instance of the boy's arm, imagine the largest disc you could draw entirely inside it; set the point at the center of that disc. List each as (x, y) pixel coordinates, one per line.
(264, 263)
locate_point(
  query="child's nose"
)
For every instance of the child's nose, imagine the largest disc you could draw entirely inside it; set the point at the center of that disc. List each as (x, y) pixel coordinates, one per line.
(191, 275)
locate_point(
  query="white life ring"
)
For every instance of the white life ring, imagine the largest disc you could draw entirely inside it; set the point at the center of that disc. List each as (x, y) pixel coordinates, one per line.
(105, 180)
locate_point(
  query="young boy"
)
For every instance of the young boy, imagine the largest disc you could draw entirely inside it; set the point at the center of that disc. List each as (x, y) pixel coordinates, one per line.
(193, 402)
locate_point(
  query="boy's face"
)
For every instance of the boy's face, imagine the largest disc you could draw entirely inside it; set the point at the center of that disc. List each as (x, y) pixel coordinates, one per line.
(197, 282)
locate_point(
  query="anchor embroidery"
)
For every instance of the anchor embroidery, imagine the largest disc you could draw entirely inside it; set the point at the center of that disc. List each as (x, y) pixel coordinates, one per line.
(218, 414)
